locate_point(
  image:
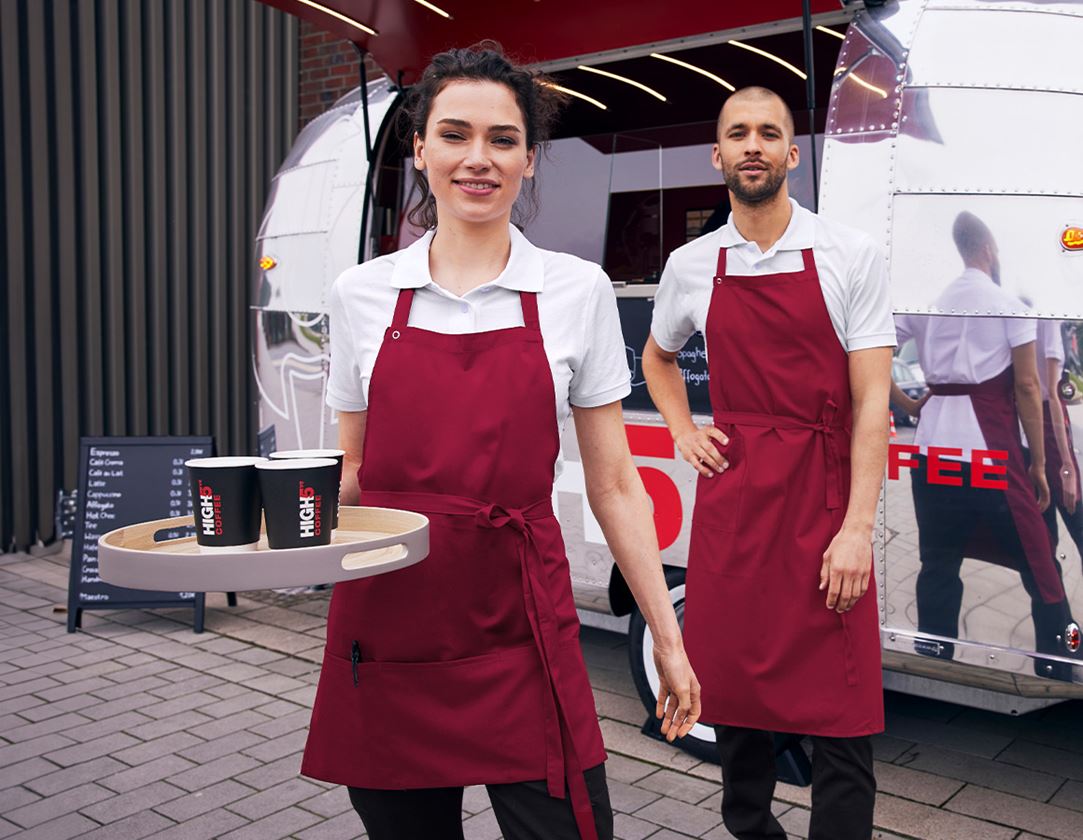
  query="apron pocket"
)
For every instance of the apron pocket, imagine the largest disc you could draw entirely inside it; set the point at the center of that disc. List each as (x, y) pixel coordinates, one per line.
(718, 499)
(435, 724)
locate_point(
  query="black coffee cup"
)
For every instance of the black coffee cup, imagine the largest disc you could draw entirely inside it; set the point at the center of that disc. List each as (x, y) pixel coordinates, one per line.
(226, 502)
(334, 454)
(298, 497)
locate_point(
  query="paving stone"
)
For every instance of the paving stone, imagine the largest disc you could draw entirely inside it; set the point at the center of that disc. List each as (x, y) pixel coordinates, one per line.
(667, 834)
(52, 709)
(135, 827)
(679, 786)
(126, 804)
(29, 731)
(274, 684)
(277, 825)
(1044, 759)
(915, 784)
(61, 828)
(336, 801)
(229, 724)
(796, 821)
(174, 723)
(237, 672)
(305, 696)
(199, 802)
(273, 748)
(913, 819)
(629, 798)
(79, 774)
(342, 827)
(1039, 818)
(227, 690)
(985, 772)
(475, 799)
(61, 692)
(242, 702)
(208, 826)
(279, 708)
(129, 703)
(629, 741)
(945, 735)
(284, 725)
(625, 769)
(48, 808)
(291, 666)
(1069, 796)
(186, 702)
(288, 793)
(226, 767)
(719, 832)
(481, 826)
(129, 722)
(272, 773)
(106, 745)
(679, 816)
(150, 750)
(223, 646)
(195, 682)
(152, 771)
(618, 707)
(887, 748)
(16, 797)
(35, 747)
(627, 827)
(218, 747)
(19, 704)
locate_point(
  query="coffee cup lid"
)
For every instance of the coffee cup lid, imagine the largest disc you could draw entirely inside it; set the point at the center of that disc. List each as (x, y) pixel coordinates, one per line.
(308, 453)
(296, 463)
(224, 461)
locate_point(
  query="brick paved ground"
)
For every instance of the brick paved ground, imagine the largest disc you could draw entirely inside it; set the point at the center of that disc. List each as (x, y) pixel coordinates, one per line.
(136, 727)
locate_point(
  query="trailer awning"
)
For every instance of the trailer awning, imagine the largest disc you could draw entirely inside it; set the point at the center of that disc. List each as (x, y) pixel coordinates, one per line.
(402, 35)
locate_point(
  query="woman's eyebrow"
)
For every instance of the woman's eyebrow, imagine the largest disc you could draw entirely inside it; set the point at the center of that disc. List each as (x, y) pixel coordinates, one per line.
(466, 124)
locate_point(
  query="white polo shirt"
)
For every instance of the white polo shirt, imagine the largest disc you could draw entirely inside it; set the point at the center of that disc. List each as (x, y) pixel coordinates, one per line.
(962, 349)
(852, 270)
(1050, 346)
(577, 311)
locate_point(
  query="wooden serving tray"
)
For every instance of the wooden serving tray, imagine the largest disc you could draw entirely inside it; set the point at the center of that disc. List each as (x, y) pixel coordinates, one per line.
(368, 541)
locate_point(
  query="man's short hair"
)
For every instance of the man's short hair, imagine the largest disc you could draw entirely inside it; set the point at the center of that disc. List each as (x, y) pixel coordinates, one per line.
(758, 92)
(970, 234)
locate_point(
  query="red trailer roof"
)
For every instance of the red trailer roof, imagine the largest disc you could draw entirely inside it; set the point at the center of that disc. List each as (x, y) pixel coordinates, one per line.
(409, 32)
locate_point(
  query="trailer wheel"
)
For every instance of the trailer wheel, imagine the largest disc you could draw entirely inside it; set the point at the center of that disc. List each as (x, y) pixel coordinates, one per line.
(700, 742)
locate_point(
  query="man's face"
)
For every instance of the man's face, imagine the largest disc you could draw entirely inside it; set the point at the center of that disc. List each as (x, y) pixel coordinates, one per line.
(754, 151)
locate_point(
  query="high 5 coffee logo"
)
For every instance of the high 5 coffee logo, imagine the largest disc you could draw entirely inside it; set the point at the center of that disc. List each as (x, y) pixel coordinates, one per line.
(210, 511)
(1071, 238)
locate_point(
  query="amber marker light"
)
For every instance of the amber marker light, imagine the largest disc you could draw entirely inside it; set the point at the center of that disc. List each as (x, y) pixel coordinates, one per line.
(695, 69)
(339, 16)
(267, 263)
(770, 56)
(624, 79)
(576, 94)
(433, 8)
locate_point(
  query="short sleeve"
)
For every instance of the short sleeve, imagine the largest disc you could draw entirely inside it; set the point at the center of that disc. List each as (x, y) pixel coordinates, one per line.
(344, 390)
(1020, 331)
(1052, 343)
(602, 375)
(672, 323)
(869, 321)
(904, 329)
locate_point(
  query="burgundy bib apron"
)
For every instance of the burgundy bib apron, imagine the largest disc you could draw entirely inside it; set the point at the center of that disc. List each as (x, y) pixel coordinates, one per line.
(466, 667)
(767, 651)
(994, 405)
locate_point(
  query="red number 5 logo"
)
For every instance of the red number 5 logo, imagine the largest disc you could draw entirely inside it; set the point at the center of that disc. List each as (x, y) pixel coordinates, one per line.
(655, 442)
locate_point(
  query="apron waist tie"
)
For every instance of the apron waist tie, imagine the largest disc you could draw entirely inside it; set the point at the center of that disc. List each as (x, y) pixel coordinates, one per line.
(561, 757)
(825, 426)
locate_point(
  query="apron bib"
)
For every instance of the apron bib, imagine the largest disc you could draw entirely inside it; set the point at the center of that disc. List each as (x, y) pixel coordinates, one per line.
(466, 667)
(767, 651)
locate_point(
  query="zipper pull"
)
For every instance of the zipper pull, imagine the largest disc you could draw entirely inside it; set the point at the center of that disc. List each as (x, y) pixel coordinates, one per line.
(355, 657)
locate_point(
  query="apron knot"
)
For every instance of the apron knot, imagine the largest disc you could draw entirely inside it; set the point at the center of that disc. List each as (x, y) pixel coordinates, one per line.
(496, 516)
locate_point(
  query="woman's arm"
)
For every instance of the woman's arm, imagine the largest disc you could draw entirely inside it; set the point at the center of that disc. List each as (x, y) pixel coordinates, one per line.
(620, 504)
(351, 440)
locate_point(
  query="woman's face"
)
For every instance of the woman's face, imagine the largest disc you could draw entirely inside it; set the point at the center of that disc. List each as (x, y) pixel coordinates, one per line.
(474, 151)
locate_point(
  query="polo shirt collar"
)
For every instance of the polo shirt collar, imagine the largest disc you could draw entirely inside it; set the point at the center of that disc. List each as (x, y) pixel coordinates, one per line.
(525, 271)
(800, 233)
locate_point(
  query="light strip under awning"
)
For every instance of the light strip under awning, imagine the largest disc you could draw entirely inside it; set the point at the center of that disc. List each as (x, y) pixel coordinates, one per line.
(339, 16)
(433, 8)
(576, 94)
(770, 56)
(695, 69)
(624, 79)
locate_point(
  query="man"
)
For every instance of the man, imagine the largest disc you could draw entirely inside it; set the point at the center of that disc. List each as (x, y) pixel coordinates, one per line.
(795, 313)
(984, 382)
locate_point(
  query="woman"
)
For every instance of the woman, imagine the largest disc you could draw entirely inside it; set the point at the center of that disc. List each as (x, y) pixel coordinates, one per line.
(454, 364)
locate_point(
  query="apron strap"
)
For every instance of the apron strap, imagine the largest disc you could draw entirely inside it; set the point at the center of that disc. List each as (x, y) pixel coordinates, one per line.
(810, 262)
(529, 300)
(720, 271)
(402, 309)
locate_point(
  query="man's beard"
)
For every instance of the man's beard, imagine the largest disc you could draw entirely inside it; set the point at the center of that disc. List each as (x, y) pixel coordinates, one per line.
(757, 194)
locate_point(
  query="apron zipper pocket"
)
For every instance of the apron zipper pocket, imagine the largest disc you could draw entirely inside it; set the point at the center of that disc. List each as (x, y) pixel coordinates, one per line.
(355, 657)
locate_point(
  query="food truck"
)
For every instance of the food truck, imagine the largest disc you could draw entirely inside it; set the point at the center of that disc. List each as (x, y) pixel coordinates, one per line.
(908, 114)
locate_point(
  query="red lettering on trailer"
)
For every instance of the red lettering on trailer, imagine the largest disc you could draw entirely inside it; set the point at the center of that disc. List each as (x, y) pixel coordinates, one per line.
(895, 459)
(939, 464)
(979, 470)
(655, 442)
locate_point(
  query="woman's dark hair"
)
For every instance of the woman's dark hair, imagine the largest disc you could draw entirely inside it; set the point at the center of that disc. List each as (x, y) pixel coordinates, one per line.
(538, 101)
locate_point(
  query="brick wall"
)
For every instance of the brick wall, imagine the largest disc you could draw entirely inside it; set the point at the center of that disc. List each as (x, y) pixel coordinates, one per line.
(329, 69)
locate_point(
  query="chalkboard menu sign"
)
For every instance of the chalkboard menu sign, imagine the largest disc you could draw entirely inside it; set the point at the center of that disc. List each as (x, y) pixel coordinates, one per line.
(124, 481)
(635, 321)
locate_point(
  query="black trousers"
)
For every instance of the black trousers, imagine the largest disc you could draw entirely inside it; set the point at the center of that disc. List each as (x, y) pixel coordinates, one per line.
(843, 786)
(524, 811)
(947, 518)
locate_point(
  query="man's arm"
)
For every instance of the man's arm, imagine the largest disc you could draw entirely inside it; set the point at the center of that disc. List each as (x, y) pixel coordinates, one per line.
(1067, 477)
(847, 562)
(1028, 401)
(670, 395)
(351, 440)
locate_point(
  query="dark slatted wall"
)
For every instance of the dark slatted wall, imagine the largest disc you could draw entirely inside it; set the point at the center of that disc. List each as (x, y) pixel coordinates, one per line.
(137, 143)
